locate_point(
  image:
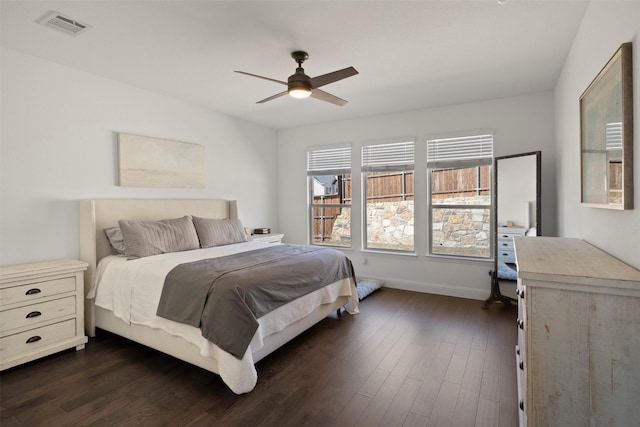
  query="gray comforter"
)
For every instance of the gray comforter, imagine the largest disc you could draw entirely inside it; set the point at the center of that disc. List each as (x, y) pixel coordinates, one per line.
(225, 296)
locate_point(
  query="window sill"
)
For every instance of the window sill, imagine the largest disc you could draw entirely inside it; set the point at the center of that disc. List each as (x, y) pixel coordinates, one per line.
(458, 259)
(387, 252)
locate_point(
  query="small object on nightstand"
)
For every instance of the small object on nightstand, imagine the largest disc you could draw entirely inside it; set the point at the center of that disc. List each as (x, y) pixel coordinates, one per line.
(262, 231)
(41, 310)
(269, 238)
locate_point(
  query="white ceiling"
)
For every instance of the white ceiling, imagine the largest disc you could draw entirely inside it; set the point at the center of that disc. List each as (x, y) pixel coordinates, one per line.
(410, 54)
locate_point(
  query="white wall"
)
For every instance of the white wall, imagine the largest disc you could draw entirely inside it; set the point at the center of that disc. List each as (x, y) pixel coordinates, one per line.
(520, 124)
(605, 26)
(59, 145)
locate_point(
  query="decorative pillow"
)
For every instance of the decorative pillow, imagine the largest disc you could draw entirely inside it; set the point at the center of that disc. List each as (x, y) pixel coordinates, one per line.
(114, 236)
(146, 238)
(218, 232)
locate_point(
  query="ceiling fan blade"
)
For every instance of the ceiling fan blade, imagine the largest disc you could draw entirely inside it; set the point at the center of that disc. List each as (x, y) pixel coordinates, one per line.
(325, 79)
(277, 95)
(262, 77)
(325, 96)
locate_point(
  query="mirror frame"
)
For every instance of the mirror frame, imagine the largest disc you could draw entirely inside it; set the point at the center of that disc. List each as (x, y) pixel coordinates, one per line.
(590, 111)
(496, 294)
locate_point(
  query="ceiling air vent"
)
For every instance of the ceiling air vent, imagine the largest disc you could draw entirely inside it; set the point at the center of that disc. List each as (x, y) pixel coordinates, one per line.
(60, 22)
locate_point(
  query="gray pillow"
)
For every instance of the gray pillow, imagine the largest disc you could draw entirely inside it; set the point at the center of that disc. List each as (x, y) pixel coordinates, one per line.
(114, 236)
(146, 238)
(218, 232)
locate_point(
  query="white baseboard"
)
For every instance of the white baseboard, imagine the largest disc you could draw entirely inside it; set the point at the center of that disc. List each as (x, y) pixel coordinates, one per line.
(434, 288)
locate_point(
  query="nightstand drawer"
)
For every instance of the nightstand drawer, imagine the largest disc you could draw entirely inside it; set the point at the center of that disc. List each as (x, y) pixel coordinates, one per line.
(509, 236)
(504, 244)
(508, 233)
(37, 290)
(507, 256)
(36, 313)
(268, 238)
(34, 339)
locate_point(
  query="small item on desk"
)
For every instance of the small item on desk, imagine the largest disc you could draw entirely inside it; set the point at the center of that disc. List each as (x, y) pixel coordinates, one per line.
(262, 231)
(509, 223)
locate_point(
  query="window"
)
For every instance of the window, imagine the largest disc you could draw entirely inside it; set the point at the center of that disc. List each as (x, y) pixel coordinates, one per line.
(387, 176)
(460, 203)
(329, 176)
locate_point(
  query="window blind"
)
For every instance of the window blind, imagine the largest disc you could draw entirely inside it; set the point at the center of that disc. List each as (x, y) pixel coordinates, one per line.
(329, 161)
(613, 136)
(447, 152)
(393, 156)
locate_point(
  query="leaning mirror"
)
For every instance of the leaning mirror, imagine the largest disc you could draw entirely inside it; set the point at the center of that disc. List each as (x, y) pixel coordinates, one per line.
(517, 185)
(606, 135)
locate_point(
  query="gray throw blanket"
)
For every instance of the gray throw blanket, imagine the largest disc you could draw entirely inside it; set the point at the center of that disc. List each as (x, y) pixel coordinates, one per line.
(225, 296)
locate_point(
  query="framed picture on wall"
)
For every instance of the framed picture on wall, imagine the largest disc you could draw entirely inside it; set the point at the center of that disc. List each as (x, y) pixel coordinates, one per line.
(606, 135)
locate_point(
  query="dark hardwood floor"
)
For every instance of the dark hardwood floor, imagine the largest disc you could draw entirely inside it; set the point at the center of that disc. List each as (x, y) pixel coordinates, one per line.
(409, 359)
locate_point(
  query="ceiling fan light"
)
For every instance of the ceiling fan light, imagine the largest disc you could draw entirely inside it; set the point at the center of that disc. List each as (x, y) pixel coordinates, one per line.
(300, 93)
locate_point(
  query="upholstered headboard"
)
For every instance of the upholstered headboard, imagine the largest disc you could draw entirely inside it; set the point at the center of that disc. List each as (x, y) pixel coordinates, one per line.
(96, 215)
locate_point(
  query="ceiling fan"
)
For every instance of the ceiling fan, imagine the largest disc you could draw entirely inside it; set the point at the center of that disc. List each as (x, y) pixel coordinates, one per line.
(299, 85)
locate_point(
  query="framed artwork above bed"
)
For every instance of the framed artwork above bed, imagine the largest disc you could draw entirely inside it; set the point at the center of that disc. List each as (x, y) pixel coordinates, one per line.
(154, 162)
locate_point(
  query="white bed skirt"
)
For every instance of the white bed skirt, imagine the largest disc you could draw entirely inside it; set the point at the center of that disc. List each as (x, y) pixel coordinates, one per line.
(239, 375)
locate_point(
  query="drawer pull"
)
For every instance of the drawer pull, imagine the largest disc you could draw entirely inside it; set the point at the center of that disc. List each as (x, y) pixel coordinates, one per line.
(33, 291)
(521, 405)
(520, 324)
(521, 365)
(33, 314)
(33, 339)
(504, 244)
(518, 350)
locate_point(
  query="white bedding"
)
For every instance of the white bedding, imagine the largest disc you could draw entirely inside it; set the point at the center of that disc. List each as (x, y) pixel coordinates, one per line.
(131, 290)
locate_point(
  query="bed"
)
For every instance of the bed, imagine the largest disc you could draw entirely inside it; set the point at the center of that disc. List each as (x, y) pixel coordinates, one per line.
(176, 339)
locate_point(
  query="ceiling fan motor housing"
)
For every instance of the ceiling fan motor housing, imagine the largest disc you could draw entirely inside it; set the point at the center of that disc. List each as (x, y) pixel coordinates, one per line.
(299, 80)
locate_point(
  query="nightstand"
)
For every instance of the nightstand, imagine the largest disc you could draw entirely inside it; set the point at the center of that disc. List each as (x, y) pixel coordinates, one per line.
(41, 310)
(505, 243)
(268, 238)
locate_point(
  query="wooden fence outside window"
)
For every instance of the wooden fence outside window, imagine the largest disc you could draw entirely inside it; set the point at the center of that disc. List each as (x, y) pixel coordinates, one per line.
(394, 187)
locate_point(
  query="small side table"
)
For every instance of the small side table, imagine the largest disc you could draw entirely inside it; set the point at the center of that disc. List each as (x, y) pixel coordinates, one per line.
(41, 310)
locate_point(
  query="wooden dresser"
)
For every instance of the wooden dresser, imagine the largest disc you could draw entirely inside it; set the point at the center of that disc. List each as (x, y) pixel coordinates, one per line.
(578, 352)
(41, 310)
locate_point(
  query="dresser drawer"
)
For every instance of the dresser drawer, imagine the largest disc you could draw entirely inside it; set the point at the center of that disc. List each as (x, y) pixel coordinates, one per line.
(508, 256)
(36, 313)
(37, 290)
(34, 339)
